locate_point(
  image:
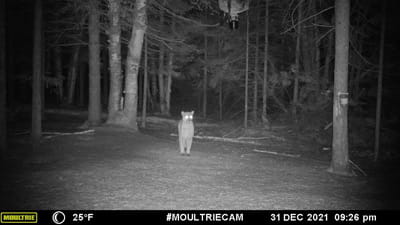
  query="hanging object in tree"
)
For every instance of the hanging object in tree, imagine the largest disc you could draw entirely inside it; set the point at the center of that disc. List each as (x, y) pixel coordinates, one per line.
(233, 8)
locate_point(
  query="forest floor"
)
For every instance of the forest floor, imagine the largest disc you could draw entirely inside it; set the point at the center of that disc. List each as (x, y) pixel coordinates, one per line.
(114, 168)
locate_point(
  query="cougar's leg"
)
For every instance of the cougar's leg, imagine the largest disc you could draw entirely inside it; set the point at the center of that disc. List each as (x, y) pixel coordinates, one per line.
(181, 145)
(188, 145)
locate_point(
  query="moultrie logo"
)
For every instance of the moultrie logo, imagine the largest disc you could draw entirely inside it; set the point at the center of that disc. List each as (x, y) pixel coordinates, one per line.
(19, 217)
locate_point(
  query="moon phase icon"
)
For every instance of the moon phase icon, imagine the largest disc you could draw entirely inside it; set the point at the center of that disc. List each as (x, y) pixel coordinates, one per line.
(58, 217)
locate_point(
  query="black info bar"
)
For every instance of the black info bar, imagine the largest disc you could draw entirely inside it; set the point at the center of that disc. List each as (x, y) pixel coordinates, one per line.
(199, 216)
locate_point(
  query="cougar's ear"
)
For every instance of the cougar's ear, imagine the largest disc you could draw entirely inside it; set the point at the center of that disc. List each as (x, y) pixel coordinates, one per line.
(192, 112)
(182, 112)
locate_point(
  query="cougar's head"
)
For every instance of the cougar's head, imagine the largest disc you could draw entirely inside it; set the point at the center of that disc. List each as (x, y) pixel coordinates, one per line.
(187, 116)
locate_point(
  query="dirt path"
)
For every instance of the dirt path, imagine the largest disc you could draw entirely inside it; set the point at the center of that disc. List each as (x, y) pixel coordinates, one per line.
(112, 168)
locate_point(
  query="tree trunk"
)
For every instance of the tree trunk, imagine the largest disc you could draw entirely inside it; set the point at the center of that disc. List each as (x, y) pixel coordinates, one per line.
(94, 106)
(132, 63)
(43, 65)
(140, 85)
(379, 89)
(246, 82)
(161, 79)
(297, 72)
(105, 78)
(307, 50)
(58, 72)
(73, 73)
(149, 98)
(153, 82)
(82, 86)
(357, 79)
(114, 59)
(161, 68)
(328, 58)
(265, 77)
(340, 155)
(170, 69)
(3, 82)
(205, 78)
(169, 83)
(220, 81)
(255, 89)
(145, 81)
(220, 98)
(317, 54)
(36, 132)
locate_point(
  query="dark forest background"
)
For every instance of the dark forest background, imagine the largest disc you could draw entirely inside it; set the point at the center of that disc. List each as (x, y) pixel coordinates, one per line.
(192, 59)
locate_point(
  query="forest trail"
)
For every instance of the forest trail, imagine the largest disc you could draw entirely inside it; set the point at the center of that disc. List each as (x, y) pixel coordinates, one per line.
(113, 168)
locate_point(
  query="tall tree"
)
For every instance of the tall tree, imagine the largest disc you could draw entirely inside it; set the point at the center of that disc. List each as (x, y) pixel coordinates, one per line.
(105, 77)
(340, 155)
(82, 86)
(205, 79)
(220, 91)
(297, 61)
(265, 75)
(246, 79)
(161, 84)
(169, 82)
(3, 82)
(317, 53)
(170, 70)
(380, 76)
(114, 59)
(58, 72)
(153, 77)
(73, 74)
(328, 58)
(94, 109)
(145, 83)
(255, 88)
(36, 132)
(132, 63)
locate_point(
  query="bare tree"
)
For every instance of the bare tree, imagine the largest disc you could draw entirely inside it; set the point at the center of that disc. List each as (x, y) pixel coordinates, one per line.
(82, 86)
(73, 73)
(220, 89)
(297, 63)
(94, 109)
(132, 63)
(328, 58)
(153, 78)
(246, 82)
(170, 71)
(58, 72)
(161, 84)
(36, 132)
(317, 52)
(255, 89)
(265, 76)
(205, 79)
(145, 83)
(114, 59)
(340, 154)
(169, 83)
(380, 75)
